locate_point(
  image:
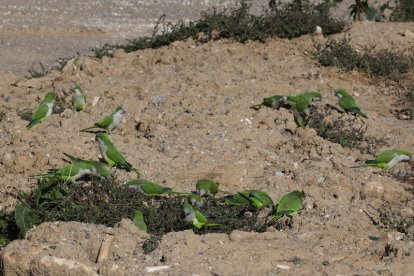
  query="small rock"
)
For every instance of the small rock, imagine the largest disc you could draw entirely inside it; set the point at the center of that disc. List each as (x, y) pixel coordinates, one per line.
(318, 31)
(120, 53)
(95, 101)
(248, 214)
(407, 212)
(373, 189)
(409, 34)
(156, 268)
(157, 100)
(296, 165)
(66, 113)
(50, 265)
(281, 266)
(321, 179)
(279, 173)
(17, 261)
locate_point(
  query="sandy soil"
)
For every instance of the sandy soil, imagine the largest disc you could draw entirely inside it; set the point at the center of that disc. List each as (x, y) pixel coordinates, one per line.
(191, 103)
(48, 30)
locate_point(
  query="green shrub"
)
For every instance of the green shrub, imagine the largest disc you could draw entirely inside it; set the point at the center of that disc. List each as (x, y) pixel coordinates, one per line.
(404, 11)
(384, 63)
(288, 21)
(346, 133)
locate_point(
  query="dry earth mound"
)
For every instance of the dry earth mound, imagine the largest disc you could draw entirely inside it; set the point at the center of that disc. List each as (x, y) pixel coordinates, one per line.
(188, 117)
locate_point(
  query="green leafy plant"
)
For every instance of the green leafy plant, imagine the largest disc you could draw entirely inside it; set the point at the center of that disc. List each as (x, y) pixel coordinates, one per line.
(25, 218)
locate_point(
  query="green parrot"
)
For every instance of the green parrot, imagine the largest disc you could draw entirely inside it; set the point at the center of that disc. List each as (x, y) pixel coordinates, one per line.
(274, 102)
(196, 217)
(43, 111)
(150, 188)
(71, 172)
(195, 200)
(300, 104)
(255, 198)
(348, 103)
(110, 122)
(387, 159)
(206, 187)
(139, 221)
(101, 169)
(289, 205)
(79, 98)
(111, 154)
(302, 101)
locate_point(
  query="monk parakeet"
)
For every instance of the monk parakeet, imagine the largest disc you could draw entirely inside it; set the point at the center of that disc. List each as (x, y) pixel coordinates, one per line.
(111, 154)
(196, 217)
(101, 169)
(139, 221)
(79, 98)
(387, 159)
(110, 122)
(43, 111)
(302, 101)
(150, 188)
(300, 106)
(195, 200)
(207, 187)
(273, 102)
(71, 172)
(255, 198)
(289, 205)
(348, 103)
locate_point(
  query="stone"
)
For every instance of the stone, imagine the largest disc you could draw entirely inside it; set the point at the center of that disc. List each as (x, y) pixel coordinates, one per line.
(17, 256)
(51, 265)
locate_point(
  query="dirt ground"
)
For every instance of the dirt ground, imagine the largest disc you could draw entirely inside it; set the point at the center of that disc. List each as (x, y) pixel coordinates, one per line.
(188, 117)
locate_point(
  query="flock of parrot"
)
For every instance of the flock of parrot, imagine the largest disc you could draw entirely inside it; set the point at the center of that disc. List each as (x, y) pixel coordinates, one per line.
(288, 205)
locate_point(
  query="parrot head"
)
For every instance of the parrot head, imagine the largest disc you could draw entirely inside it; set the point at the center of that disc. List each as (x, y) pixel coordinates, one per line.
(101, 136)
(49, 96)
(340, 92)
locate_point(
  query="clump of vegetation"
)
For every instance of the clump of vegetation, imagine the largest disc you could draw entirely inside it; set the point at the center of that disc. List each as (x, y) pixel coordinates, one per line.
(382, 63)
(25, 114)
(391, 220)
(404, 11)
(107, 202)
(362, 9)
(290, 20)
(2, 116)
(37, 73)
(346, 133)
(8, 228)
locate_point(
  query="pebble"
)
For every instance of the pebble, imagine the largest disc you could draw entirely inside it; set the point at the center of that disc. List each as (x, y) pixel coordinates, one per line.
(373, 189)
(95, 101)
(156, 268)
(157, 100)
(281, 266)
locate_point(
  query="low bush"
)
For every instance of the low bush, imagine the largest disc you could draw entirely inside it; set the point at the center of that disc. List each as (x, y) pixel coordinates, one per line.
(290, 20)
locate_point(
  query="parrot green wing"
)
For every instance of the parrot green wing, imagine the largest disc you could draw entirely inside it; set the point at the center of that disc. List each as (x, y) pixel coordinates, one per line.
(385, 156)
(39, 115)
(207, 186)
(148, 187)
(289, 205)
(113, 154)
(139, 221)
